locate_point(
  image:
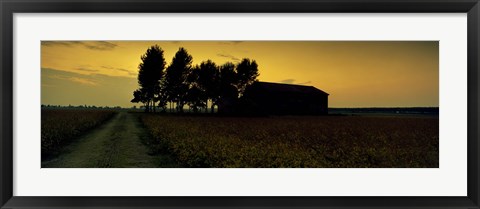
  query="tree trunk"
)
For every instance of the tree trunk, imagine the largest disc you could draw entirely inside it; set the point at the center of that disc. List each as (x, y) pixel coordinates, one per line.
(206, 107)
(180, 106)
(153, 106)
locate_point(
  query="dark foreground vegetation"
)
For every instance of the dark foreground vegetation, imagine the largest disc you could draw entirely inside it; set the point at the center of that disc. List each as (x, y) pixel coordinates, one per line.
(204, 140)
(432, 111)
(61, 126)
(297, 141)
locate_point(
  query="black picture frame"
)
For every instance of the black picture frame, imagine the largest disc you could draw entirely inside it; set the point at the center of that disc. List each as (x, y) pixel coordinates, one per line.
(9, 7)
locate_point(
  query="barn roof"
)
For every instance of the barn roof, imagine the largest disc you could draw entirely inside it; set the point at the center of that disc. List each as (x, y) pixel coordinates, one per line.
(285, 88)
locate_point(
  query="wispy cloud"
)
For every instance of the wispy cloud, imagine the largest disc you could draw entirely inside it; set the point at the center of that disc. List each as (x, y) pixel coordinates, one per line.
(308, 82)
(57, 43)
(293, 81)
(118, 69)
(93, 45)
(228, 56)
(100, 45)
(86, 69)
(83, 81)
(48, 85)
(287, 81)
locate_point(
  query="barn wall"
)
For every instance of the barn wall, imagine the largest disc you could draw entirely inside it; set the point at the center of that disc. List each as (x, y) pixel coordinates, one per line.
(282, 104)
(261, 100)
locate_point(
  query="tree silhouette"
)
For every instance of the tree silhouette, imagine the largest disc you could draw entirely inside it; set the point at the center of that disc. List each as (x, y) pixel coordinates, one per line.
(208, 77)
(150, 72)
(196, 96)
(194, 100)
(227, 80)
(140, 96)
(182, 84)
(162, 97)
(247, 73)
(176, 78)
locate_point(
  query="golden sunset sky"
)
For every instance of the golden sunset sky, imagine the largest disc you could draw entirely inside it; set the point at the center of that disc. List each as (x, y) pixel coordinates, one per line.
(354, 73)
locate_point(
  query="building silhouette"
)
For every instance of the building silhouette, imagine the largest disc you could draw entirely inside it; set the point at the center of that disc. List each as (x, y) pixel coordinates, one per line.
(281, 99)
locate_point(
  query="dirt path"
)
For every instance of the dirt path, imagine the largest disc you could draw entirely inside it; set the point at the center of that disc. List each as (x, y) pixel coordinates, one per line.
(116, 144)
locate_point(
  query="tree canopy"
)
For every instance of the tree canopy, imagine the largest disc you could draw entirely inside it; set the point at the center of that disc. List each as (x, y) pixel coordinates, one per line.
(182, 84)
(247, 73)
(150, 73)
(176, 81)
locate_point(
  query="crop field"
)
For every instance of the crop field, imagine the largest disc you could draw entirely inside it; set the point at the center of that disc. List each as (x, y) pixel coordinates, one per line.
(308, 141)
(60, 126)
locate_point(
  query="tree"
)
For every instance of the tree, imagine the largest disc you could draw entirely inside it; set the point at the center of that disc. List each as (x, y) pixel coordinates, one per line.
(228, 94)
(196, 96)
(150, 72)
(247, 73)
(162, 97)
(227, 81)
(140, 96)
(195, 99)
(208, 78)
(176, 78)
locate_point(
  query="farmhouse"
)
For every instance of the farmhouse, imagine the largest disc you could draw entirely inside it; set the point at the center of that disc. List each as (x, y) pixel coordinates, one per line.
(286, 99)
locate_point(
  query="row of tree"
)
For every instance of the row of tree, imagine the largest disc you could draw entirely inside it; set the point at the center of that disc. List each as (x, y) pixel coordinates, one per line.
(181, 83)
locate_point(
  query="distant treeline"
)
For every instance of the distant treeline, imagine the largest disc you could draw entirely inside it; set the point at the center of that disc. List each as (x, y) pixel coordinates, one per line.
(387, 110)
(80, 106)
(183, 84)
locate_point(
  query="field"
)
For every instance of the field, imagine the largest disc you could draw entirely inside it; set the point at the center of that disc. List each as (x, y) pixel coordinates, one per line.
(61, 126)
(111, 138)
(312, 142)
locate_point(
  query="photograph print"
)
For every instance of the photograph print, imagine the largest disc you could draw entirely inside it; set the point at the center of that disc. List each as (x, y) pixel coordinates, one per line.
(239, 104)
